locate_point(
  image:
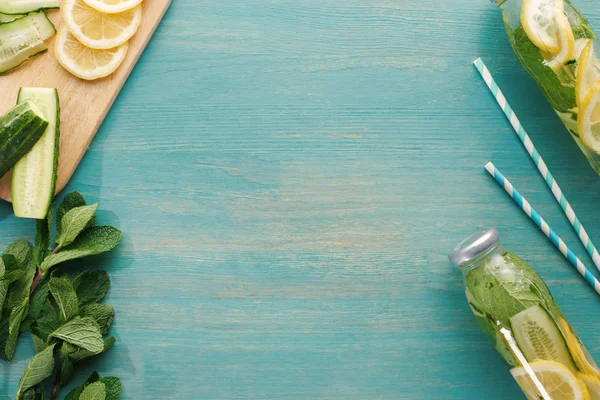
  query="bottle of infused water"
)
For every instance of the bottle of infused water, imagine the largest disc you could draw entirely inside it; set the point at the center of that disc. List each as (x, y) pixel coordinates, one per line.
(515, 309)
(557, 47)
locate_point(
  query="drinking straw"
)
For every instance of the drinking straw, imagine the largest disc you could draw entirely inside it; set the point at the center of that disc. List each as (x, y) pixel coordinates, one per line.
(543, 225)
(539, 162)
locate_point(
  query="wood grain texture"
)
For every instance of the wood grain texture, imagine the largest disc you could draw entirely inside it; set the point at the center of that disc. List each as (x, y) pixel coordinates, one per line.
(83, 104)
(290, 176)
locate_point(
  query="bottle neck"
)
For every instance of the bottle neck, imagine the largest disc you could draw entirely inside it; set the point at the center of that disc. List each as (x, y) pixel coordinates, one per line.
(475, 262)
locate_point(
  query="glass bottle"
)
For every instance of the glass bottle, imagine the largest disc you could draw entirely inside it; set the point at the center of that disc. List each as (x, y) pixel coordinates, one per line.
(556, 46)
(515, 309)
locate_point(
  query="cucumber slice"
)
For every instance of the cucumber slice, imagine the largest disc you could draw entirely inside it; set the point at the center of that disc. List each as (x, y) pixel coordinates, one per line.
(34, 176)
(26, 6)
(20, 129)
(22, 39)
(539, 338)
(6, 18)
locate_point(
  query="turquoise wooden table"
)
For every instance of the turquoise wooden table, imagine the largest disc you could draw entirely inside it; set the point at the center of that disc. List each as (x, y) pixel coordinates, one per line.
(290, 176)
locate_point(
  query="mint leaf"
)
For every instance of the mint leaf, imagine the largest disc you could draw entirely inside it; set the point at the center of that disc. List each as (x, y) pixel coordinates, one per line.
(93, 241)
(74, 394)
(74, 222)
(94, 391)
(42, 237)
(39, 344)
(81, 332)
(14, 323)
(561, 98)
(48, 321)
(66, 371)
(103, 314)
(501, 296)
(3, 333)
(35, 393)
(39, 368)
(23, 256)
(71, 201)
(20, 250)
(113, 387)
(3, 285)
(91, 286)
(77, 354)
(63, 292)
(38, 299)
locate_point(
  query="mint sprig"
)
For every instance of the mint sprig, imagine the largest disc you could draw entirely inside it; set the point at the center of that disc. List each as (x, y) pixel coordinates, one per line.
(67, 320)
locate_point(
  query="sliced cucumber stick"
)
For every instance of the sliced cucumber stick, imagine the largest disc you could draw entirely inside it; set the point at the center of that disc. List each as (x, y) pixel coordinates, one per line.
(22, 39)
(34, 176)
(20, 129)
(26, 6)
(539, 338)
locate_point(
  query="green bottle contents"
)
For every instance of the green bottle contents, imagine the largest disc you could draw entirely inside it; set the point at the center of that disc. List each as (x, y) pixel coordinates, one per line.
(555, 44)
(515, 309)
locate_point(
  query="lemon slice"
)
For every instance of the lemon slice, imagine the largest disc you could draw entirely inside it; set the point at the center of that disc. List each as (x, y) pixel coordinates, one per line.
(587, 73)
(538, 18)
(112, 6)
(588, 121)
(86, 63)
(99, 30)
(552, 381)
(566, 40)
(593, 385)
(582, 359)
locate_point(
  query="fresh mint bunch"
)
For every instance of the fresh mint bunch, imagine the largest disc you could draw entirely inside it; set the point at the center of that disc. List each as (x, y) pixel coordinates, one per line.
(65, 316)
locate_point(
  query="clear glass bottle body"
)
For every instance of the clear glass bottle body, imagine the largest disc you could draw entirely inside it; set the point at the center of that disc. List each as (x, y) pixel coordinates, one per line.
(515, 309)
(555, 69)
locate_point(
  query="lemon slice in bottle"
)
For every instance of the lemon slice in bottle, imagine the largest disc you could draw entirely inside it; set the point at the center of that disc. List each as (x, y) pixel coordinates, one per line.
(566, 39)
(86, 63)
(588, 120)
(112, 6)
(551, 377)
(593, 385)
(98, 30)
(587, 73)
(538, 18)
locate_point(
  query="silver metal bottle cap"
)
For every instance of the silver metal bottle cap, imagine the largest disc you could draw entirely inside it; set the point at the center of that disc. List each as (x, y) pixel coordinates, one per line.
(472, 246)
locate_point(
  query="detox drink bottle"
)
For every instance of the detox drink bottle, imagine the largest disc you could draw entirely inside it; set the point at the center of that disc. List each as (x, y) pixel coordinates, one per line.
(555, 44)
(515, 309)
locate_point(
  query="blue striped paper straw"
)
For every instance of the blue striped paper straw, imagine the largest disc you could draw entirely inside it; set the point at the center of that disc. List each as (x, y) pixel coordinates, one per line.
(543, 225)
(539, 162)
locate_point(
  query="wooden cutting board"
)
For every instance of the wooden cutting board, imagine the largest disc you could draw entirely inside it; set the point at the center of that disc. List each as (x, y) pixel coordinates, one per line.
(83, 104)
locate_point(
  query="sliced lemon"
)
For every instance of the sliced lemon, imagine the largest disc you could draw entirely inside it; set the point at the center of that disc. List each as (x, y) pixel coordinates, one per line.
(566, 40)
(587, 73)
(86, 63)
(112, 6)
(538, 18)
(588, 121)
(582, 359)
(98, 30)
(593, 385)
(550, 381)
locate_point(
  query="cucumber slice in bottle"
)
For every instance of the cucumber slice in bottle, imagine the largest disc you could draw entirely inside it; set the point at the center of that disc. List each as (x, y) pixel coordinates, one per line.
(26, 6)
(6, 18)
(539, 338)
(20, 129)
(22, 39)
(34, 176)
